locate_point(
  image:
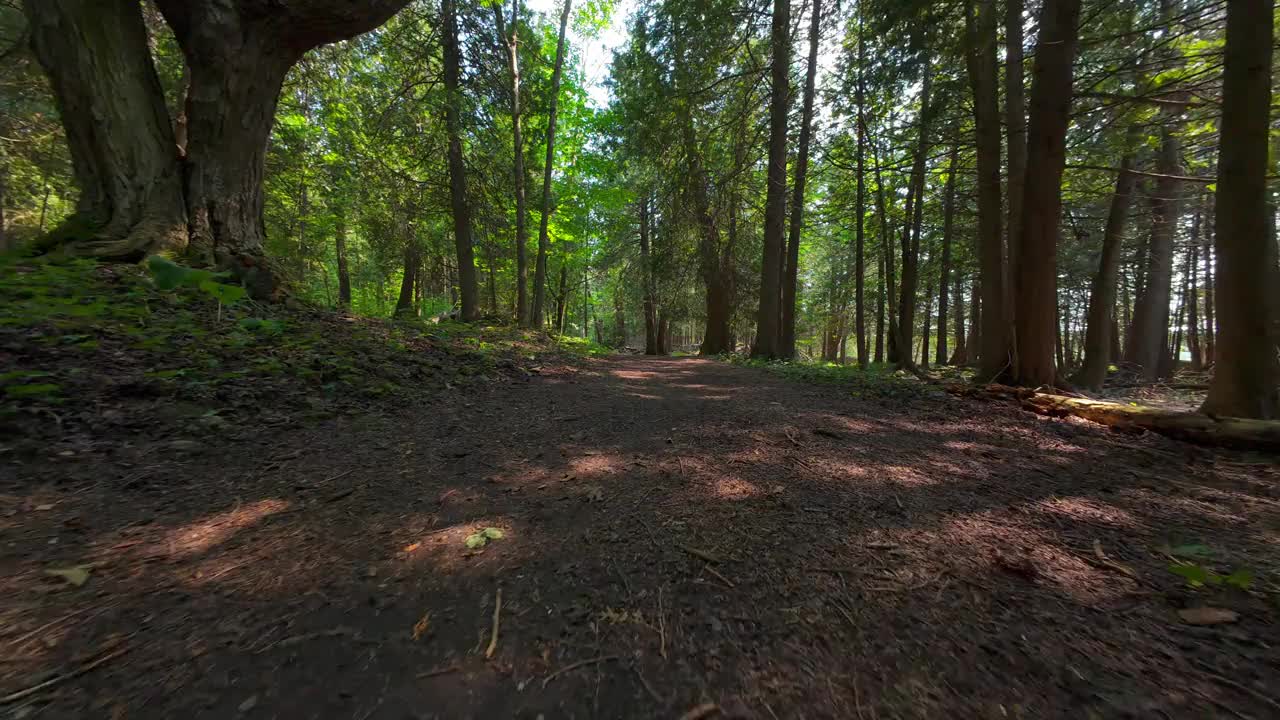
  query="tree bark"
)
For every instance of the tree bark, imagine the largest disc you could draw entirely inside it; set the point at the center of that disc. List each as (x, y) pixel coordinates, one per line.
(340, 250)
(944, 272)
(517, 140)
(960, 356)
(117, 128)
(544, 239)
(405, 304)
(981, 59)
(1246, 378)
(1102, 297)
(859, 272)
(1210, 321)
(926, 325)
(787, 339)
(562, 301)
(775, 213)
(911, 239)
(1015, 112)
(650, 305)
(459, 202)
(1193, 290)
(1037, 277)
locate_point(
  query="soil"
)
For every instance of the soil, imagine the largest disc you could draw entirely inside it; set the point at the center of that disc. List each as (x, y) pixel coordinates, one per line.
(678, 538)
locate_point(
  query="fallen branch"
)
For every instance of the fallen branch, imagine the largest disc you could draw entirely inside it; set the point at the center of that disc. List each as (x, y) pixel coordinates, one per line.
(698, 553)
(497, 614)
(19, 695)
(1189, 426)
(576, 665)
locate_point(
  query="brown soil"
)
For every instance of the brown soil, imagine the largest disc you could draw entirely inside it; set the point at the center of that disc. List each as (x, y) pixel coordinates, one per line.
(677, 533)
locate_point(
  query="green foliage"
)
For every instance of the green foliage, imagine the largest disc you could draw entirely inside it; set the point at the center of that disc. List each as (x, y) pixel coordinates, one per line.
(169, 275)
(1189, 565)
(479, 539)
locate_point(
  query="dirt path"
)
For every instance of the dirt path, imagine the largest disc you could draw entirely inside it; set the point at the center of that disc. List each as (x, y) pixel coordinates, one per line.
(674, 532)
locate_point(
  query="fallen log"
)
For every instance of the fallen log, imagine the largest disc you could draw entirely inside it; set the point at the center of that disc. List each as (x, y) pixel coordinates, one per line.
(1194, 427)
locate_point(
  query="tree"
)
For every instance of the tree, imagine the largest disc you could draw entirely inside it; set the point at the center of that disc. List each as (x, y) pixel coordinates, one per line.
(544, 238)
(518, 179)
(461, 206)
(787, 340)
(980, 35)
(768, 338)
(1246, 381)
(1035, 286)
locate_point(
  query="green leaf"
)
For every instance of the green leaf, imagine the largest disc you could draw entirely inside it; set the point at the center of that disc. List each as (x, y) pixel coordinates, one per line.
(1195, 575)
(166, 273)
(1191, 551)
(476, 540)
(492, 533)
(77, 575)
(32, 390)
(225, 294)
(1241, 579)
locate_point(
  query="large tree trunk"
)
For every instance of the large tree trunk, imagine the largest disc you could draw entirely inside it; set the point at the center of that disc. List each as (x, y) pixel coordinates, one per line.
(960, 356)
(775, 211)
(544, 238)
(1102, 296)
(981, 46)
(944, 272)
(1246, 378)
(117, 128)
(412, 261)
(787, 337)
(1210, 321)
(1148, 340)
(517, 141)
(1015, 114)
(459, 202)
(1037, 277)
(887, 287)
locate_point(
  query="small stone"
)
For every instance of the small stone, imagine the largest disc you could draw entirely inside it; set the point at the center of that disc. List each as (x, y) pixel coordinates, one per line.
(249, 704)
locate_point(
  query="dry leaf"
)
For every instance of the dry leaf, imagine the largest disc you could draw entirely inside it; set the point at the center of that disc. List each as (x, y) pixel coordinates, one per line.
(1208, 616)
(420, 628)
(78, 575)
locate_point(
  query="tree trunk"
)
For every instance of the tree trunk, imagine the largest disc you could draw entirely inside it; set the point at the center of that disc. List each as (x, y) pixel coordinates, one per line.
(1210, 322)
(544, 239)
(928, 321)
(404, 304)
(1037, 278)
(340, 250)
(775, 212)
(562, 302)
(117, 128)
(1193, 291)
(1246, 378)
(1148, 340)
(787, 338)
(981, 46)
(944, 273)
(1015, 113)
(911, 241)
(880, 295)
(522, 230)
(960, 356)
(859, 272)
(888, 287)
(460, 204)
(646, 274)
(1102, 297)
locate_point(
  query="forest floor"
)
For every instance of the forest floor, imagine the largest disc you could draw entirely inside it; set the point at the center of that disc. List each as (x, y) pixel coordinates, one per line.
(678, 538)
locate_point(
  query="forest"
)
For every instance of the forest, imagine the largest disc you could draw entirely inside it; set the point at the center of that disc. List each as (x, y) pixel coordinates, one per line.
(774, 358)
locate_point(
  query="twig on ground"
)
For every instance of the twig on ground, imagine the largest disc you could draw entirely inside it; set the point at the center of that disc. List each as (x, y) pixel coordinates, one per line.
(1228, 682)
(662, 627)
(297, 639)
(698, 553)
(497, 614)
(644, 682)
(28, 692)
(722, 578)
(439, 671)
(576, 665)
(704, 710)
(791, 437)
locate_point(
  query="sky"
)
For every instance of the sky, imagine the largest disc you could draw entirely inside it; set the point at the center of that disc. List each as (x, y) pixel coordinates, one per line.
(597, 52)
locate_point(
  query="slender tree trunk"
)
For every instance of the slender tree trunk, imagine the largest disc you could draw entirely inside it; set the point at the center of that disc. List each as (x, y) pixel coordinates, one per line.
(1193, 291)
(562, 301)
(1210, 322)
(646, 271)
(768, 336)
(960, 356)
(544, 239)
(888, 286)
(859, 272)
(340, 250)
(911, 240)
(880, 295)
(1037, 277)
(461, 205)
(787, 339)
(928, 321)
(1246, 378)
(1102, 297)
(974, 341)
(512, 43)
(944, 272)
(994, 331)
(405, 304)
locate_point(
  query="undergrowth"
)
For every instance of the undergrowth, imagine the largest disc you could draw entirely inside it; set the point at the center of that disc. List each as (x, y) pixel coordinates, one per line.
(88, 349)
(878, 380)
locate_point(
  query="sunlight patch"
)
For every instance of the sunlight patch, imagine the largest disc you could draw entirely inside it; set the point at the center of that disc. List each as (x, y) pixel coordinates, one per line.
(1088, 510)
(203, 534)
(731, 488)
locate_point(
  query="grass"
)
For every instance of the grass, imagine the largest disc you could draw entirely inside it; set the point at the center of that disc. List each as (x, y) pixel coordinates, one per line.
(77, 336)
(878, 380)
